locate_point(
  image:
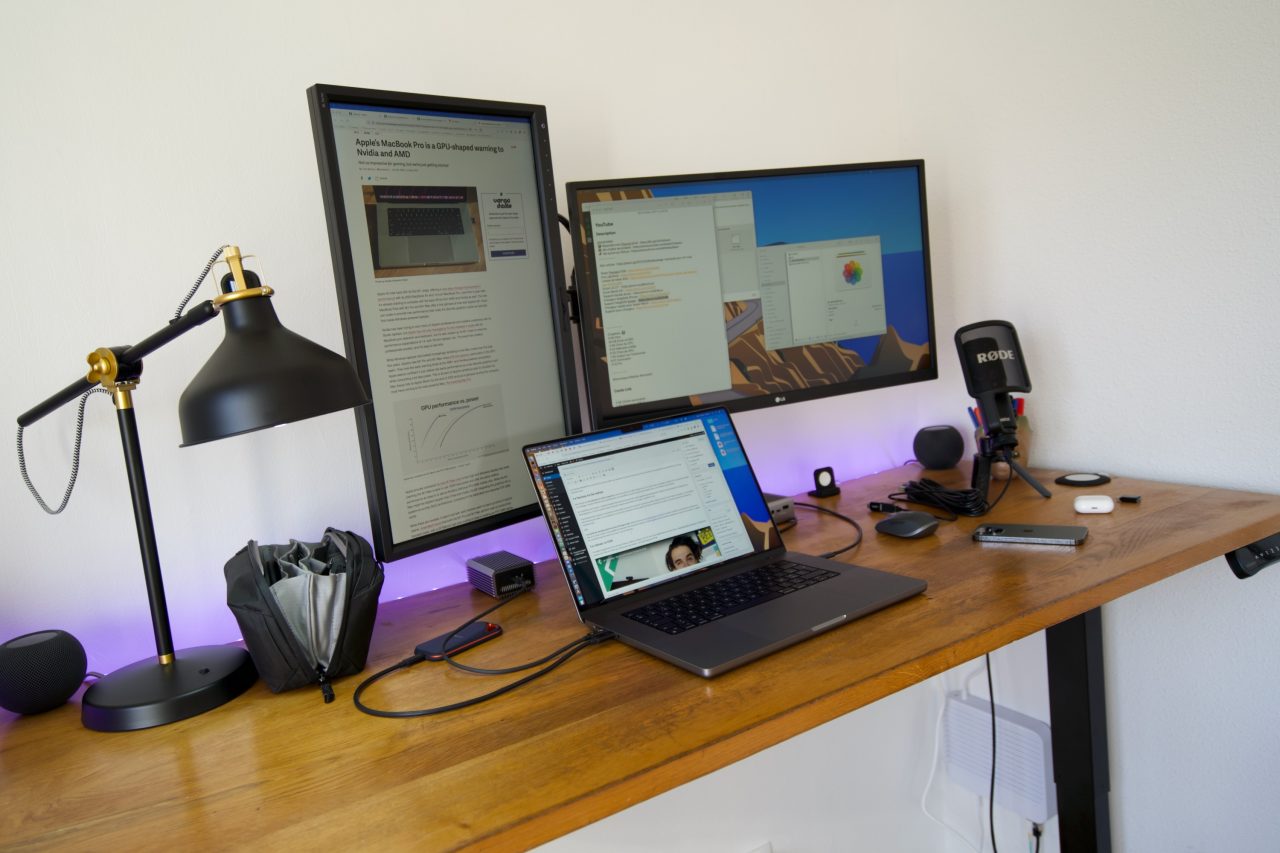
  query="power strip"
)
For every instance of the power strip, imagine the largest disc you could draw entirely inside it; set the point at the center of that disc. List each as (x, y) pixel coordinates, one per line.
(1024, 757)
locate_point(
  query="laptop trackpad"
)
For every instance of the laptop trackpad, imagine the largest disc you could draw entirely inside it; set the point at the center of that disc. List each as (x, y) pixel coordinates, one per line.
(804, 612)
(712, 645)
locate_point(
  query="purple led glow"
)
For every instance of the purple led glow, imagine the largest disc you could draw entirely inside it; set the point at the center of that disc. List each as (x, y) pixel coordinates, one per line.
(784, 452)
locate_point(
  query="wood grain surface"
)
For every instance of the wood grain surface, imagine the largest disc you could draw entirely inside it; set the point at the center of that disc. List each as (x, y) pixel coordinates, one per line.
(611, 727)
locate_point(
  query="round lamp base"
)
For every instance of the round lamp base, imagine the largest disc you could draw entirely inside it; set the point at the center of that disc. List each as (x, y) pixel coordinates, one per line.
(149, 693)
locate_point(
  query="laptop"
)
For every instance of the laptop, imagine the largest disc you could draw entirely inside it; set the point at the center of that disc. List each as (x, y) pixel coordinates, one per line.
(426, 227)
(666, 540)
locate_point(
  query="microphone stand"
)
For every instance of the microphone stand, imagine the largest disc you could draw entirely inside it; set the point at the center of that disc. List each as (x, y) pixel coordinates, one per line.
(999, 446)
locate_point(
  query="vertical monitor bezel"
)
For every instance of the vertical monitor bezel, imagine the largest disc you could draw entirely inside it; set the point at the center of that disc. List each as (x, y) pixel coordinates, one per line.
(320, 97)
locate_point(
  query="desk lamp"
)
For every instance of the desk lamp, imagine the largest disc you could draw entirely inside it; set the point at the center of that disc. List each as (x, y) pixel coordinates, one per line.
(262, 375)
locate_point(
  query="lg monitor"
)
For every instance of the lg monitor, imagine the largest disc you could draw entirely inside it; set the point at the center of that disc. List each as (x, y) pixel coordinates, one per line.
(442, 227)
(751, 289)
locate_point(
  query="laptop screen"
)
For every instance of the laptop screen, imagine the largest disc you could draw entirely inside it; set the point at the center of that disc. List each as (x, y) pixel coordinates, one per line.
(633, 507)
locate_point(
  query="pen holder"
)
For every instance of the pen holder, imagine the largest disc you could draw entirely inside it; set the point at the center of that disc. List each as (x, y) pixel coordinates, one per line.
(1000, 470)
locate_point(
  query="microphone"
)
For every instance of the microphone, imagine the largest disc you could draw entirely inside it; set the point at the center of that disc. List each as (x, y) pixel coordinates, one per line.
(991, 360)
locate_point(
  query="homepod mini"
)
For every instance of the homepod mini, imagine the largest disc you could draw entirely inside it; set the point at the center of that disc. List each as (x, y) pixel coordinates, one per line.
(40, 671)
(938, 447)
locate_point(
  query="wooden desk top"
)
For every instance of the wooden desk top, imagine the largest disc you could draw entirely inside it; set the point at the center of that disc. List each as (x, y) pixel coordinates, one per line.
(610, 728)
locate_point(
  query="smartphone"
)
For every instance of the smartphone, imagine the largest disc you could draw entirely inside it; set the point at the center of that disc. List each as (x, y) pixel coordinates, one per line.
(472, 635)
(1032, 534)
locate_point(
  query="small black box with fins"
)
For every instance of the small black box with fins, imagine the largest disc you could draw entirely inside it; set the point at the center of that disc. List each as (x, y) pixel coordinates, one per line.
(500, 573)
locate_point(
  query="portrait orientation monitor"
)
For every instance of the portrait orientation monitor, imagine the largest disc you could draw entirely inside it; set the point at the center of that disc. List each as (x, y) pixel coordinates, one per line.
(751, 289)
(442, 225)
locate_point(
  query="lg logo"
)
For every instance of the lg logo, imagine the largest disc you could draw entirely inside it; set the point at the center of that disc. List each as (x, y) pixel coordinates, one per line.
(996, 355)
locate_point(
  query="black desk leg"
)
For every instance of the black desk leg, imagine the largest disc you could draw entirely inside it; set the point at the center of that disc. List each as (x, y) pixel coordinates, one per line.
(1078, 711)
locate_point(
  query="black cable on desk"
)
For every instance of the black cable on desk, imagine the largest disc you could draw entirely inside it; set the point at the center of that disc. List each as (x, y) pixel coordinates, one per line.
(564, 653)
(519, 667)
(448, 657)
(971, 502)
(856, 525)
(579, 645)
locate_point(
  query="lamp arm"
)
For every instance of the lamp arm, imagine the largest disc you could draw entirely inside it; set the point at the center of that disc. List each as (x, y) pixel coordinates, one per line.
(198, 315)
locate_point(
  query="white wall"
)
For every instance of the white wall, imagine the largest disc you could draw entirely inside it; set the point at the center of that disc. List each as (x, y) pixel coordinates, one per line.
(1101, 174)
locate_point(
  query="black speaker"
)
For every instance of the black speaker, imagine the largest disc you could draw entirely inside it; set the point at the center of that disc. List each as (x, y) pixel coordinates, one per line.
(40, 671)
(938, 447)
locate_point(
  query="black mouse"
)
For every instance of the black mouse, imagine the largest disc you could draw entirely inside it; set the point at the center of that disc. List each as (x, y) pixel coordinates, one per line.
(908, 525)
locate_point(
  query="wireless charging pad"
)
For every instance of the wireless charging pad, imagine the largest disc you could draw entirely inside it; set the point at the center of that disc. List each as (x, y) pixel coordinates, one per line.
(1083, 479)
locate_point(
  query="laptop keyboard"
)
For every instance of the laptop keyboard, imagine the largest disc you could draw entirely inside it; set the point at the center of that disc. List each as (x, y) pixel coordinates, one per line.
(725, 597)
(423, 221)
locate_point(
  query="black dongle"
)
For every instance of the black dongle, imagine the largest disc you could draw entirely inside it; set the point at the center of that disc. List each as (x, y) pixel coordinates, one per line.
(500, 573)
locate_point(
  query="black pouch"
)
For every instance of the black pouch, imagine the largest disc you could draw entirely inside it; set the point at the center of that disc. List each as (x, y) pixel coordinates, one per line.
(306, 610)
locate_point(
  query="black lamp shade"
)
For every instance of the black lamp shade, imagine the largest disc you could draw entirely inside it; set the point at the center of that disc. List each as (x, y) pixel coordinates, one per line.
(263, 375)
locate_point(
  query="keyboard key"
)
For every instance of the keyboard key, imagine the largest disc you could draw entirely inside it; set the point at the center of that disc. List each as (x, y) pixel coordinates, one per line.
(727, 596)
(423, 221)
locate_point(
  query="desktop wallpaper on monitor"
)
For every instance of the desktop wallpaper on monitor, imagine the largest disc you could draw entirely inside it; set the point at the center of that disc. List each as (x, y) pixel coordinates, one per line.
(818, 278)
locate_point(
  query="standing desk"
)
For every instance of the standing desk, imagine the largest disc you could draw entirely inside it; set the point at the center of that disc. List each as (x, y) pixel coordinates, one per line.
(613, 726)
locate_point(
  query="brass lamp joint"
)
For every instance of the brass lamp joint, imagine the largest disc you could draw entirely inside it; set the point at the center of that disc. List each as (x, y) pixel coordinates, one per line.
(103, 366)
(231, 255)
(223, 298)
(105, 369)
(122, 393)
